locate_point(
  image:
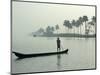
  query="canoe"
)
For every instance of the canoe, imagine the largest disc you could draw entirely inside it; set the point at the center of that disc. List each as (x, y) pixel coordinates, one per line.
(21, 55)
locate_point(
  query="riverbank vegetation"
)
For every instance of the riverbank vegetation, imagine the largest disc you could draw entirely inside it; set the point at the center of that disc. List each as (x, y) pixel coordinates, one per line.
(82, 27)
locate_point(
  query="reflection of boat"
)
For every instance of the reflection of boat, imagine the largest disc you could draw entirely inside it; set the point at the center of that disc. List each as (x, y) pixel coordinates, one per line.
(21, 55)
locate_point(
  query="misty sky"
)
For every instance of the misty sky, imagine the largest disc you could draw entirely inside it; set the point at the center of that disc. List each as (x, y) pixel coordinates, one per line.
(28, 17)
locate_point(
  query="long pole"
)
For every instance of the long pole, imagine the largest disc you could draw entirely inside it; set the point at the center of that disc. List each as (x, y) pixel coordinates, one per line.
(62, 47)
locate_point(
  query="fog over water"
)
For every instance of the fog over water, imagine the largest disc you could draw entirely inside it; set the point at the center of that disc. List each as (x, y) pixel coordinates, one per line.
(32, 16)
(28, 17)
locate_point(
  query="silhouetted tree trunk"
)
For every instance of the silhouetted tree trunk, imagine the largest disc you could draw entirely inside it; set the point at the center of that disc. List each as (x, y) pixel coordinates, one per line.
(85, 19)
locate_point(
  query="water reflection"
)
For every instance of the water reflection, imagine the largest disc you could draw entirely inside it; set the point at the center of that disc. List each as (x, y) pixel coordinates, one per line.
(81, 55)
(58, 61)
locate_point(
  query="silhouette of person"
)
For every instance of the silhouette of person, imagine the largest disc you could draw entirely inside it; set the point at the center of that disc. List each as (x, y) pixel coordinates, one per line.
(58, 44)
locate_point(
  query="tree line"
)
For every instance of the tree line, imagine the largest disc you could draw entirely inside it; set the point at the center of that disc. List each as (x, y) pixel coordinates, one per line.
(73, 24)
(79, 22)
(49, 29)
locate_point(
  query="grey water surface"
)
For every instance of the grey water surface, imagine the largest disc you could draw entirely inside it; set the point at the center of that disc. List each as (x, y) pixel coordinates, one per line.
(81, 54)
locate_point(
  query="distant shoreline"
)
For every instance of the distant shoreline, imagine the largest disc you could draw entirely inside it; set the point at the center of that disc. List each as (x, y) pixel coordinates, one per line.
(67, 35)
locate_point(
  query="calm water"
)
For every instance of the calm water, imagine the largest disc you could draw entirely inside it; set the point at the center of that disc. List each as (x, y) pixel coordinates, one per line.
(81, 54)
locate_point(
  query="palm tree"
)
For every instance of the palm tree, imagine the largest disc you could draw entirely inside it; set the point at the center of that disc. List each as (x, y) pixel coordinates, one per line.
(57, 27)
(41, 30)
(52, 28)
(78, 24)
(49, 30)
(94, 19)
(85, 19)
(93, 22)
(67, 24)
(73, 22)
(81, 22)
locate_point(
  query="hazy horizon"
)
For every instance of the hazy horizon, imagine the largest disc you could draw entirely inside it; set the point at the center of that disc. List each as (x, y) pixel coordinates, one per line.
(28, 17)
(32, 16)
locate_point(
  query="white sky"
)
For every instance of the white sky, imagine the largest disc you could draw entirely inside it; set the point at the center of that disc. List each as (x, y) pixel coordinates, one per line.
(31, 16)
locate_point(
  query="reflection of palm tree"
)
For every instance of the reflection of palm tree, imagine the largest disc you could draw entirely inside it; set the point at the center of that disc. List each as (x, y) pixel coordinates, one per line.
(85, 19)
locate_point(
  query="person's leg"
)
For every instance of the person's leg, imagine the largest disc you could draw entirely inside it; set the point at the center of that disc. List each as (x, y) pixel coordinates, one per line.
(57, 49)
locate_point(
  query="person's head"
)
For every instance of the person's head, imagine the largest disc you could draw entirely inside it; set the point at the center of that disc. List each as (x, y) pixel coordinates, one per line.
(58, 38)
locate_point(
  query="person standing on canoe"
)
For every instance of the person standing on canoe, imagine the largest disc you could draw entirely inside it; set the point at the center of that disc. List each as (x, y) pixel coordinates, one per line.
(58, 44)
